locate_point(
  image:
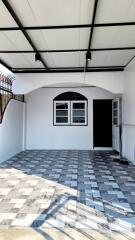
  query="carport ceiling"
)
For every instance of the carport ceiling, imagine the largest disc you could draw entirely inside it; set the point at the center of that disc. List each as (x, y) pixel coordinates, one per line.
(63, 31)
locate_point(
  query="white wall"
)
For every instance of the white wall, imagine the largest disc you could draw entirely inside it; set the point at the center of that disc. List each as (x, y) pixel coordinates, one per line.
(41, 134)
(11, 130)
(27, 82)
(129, 112)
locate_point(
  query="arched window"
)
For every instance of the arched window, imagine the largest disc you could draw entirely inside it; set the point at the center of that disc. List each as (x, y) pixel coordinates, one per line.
(70, 108)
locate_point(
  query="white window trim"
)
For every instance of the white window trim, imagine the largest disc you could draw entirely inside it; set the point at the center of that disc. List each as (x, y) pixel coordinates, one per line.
(85, 109)
(64, 124)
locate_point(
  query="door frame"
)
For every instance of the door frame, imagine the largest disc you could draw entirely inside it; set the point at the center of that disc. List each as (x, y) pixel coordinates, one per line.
(117, 138)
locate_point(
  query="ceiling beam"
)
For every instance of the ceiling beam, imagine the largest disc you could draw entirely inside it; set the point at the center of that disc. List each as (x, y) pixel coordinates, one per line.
(69, 70)
(70, 50)
(45, 51)
(92, 28)
(71, 67)
(129, 61)
(114, 24)
(93, 20)
(112, 49)
(73, 71)
(117, 24)
(13, 14)
(5, 65)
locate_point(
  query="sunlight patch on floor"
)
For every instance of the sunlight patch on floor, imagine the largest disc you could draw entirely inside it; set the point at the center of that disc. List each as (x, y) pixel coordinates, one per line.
(53, 234)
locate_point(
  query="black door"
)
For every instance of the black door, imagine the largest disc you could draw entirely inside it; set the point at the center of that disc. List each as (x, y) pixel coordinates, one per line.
(102, 123)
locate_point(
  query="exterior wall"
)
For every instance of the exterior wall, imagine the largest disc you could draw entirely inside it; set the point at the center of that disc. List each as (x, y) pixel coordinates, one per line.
(129, 112)
(40, 132)
(27, 82)
(11, 130)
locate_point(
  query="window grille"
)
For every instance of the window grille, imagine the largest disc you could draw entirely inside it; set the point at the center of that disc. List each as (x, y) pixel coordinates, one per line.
(5, 92)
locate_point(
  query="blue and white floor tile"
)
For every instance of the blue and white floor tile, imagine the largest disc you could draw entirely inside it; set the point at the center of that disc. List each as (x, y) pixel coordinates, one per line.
(68, 188)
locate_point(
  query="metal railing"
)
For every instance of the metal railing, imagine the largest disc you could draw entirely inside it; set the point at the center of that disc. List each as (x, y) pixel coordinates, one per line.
(5, 93)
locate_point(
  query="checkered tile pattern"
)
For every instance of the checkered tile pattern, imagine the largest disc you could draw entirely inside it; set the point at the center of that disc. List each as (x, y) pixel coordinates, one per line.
(67, 188)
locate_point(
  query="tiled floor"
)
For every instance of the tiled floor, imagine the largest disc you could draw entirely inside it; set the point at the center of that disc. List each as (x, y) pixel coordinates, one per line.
(83, 190)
